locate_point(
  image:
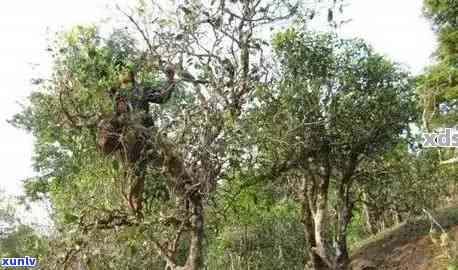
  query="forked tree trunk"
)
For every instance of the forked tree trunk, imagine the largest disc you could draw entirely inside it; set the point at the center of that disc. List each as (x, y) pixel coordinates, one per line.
(342, 260)
(322, 255)
(315, 261)
(370, 222)
(194, 259)
(315, 226)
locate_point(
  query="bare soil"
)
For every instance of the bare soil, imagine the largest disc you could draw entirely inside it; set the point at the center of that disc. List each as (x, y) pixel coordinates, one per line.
(408, 246)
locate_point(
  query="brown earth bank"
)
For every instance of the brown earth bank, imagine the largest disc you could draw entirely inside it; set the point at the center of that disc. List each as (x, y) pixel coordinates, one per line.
(408, 246)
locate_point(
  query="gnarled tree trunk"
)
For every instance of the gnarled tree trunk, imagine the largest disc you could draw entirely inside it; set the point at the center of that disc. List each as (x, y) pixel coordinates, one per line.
(323, 255)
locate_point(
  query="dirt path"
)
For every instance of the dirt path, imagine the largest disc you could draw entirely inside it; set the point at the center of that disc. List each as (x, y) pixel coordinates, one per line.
(408, 246)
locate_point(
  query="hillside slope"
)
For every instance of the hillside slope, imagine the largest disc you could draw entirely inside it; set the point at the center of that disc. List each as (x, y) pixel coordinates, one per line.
(408, 246)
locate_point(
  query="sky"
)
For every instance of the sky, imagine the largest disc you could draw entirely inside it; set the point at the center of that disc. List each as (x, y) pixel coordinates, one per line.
(394, 28)
(24, 27)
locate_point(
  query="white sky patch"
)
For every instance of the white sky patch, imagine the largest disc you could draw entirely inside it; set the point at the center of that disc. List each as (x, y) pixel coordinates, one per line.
(24, 27)
(393, 27)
